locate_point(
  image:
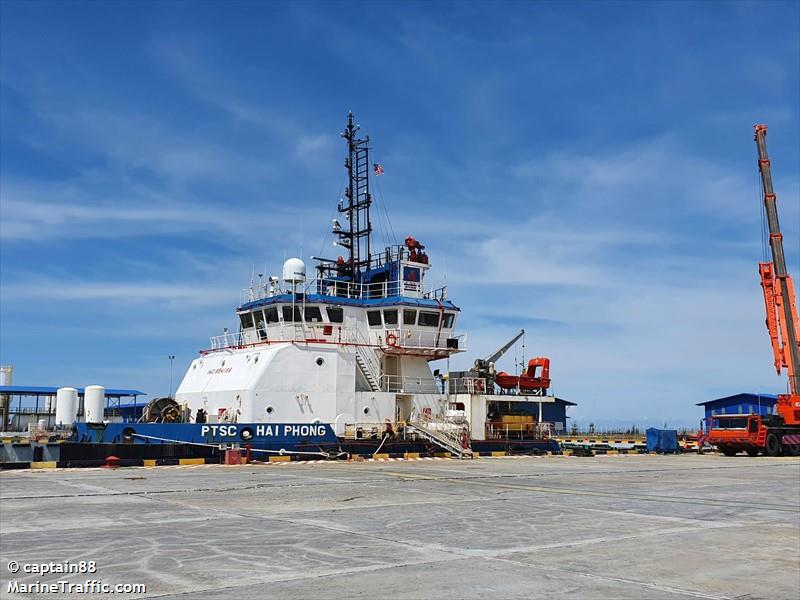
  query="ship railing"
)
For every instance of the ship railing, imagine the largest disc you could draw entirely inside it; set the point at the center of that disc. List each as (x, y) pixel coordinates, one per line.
(408, 384)
(227, 340)
(347, 289)
(415, 338)
(300, 331)
(469, 385)
(439, 293)
(516, 391)
(501, 430)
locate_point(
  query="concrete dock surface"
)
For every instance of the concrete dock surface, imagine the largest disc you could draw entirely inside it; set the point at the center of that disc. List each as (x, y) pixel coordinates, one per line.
(627, 526)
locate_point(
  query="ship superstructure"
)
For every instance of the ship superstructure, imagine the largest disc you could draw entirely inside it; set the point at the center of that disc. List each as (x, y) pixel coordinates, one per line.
(349, 346)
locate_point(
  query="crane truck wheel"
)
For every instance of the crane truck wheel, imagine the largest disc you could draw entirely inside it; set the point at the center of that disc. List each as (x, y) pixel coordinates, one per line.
(772, 446)
(793, 450)
(752, 451)
(728, 451)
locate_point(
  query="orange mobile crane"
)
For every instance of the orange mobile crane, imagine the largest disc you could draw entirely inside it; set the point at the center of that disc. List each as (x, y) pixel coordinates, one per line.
(780, 432)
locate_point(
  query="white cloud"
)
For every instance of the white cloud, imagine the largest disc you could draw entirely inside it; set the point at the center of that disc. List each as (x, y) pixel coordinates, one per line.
(179, 294)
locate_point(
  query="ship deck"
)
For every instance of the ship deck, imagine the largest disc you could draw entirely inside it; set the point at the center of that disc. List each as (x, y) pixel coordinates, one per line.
(627, 526)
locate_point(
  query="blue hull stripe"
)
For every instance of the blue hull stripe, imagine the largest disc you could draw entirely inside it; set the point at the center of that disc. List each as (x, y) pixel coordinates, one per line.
(259, 435)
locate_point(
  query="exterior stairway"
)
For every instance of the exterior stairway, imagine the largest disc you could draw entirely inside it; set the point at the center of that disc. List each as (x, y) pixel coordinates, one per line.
(362, 362)
(447, 436)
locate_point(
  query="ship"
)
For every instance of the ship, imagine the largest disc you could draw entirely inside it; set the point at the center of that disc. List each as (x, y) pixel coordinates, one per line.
(339, 361)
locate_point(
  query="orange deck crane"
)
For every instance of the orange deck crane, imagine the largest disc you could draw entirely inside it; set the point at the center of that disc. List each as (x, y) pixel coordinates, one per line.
(770, 434)
(779, 299)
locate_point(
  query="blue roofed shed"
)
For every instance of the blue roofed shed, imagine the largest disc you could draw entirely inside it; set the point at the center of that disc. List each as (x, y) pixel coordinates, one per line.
(29, 403)
(739, 404)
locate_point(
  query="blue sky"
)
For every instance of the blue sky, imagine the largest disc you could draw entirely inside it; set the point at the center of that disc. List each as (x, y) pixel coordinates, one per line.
(583, 170)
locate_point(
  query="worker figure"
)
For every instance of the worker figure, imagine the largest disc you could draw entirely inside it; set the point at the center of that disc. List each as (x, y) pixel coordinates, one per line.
(389, 431)
(201, 416)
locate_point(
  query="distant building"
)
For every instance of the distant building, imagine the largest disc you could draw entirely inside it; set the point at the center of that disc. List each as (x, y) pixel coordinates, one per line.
(739, 404)
(29, 404)
(556, 412)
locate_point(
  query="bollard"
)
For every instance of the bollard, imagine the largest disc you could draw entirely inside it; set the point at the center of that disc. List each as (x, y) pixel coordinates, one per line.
(112, 462)
(233, 457)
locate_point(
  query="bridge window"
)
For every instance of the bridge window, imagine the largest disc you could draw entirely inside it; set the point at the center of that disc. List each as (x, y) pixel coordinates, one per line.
(335, 314)
(289, 317)
(448, 320)
(409, 317)
(261, 326)
(271, 314)
(313, 314)
(374, 318)
(247, 320)
(390, 317)
(428, 319)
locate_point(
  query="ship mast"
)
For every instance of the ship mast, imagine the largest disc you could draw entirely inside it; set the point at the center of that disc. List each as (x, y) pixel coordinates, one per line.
(356, 235)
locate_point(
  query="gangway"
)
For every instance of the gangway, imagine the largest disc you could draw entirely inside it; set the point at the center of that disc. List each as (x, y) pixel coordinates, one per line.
(447, 435)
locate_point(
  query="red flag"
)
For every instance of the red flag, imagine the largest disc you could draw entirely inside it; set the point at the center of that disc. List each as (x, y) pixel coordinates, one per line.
(378, 169)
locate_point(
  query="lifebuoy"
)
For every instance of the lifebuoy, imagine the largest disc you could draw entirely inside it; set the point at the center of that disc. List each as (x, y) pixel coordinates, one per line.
(391, 339)
(464, 439)
(479, 385)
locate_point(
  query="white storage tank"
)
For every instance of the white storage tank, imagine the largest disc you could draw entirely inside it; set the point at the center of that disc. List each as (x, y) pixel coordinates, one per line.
(94, 401)
(6, 375)
(66, 406)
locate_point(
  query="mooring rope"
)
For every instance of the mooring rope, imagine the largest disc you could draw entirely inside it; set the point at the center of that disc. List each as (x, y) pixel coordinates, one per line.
(383, 441)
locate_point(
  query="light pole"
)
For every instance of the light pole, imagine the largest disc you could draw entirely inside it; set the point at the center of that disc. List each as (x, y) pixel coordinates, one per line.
(171, 358)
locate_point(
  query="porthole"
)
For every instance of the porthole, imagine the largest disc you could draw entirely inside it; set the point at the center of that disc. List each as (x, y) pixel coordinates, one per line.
(222, 364)
(320, 361)
(246, 434)
(269, 410)
(255, 360)
(366, 410)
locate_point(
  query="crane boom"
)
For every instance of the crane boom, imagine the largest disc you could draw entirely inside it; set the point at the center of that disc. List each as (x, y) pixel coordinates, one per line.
(502, 350)
(484, 367)
(782, 321)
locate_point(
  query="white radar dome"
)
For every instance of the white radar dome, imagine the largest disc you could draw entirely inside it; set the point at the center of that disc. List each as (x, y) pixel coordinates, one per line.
(294, 271)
